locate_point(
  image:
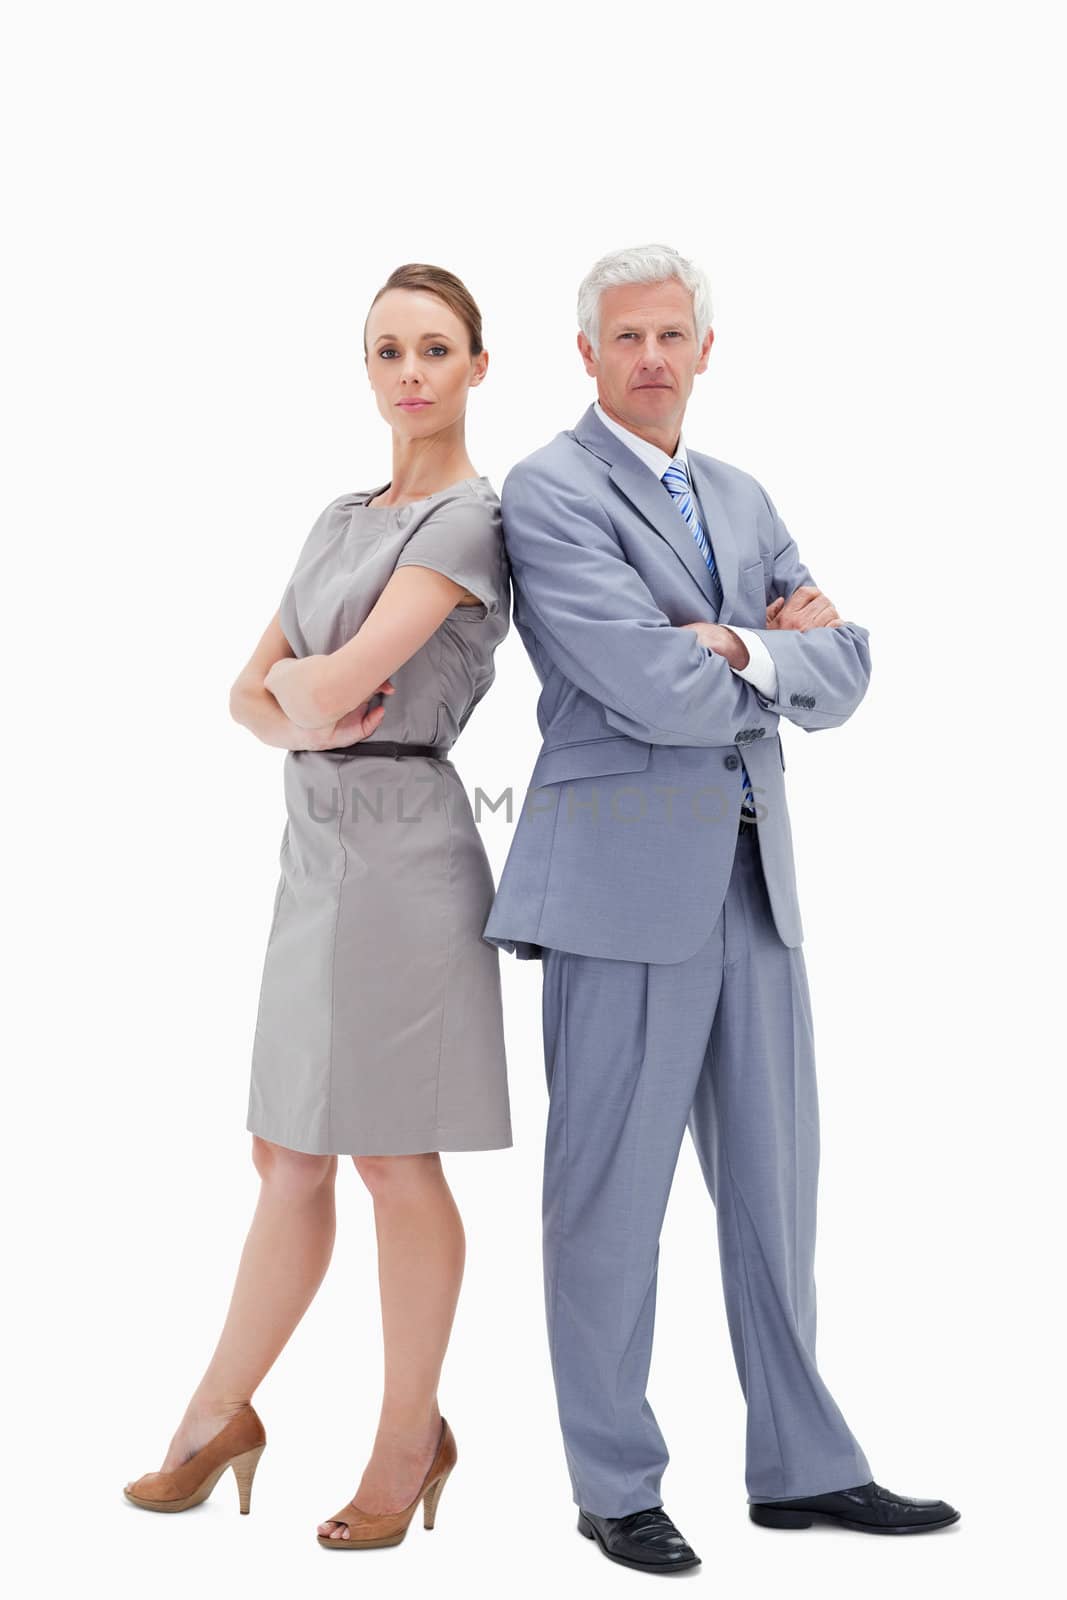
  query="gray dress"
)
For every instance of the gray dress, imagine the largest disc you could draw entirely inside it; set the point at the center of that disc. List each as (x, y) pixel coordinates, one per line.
(380, 1028)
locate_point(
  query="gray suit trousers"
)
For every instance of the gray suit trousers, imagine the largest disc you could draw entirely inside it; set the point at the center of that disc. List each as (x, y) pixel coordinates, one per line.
(635, 1052)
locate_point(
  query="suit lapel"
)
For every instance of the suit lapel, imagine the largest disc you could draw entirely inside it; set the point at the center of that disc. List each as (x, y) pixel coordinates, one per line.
(653, 502)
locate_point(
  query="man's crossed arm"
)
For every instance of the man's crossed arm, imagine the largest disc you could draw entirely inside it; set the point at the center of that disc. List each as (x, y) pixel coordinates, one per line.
(599, 623)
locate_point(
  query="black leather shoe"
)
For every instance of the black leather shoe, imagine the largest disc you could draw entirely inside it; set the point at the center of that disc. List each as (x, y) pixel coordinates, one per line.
(868, 1508)
(647, 1540)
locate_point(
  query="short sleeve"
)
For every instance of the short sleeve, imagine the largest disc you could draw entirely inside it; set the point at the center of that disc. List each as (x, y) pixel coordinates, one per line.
(322, 529)
(463, 539)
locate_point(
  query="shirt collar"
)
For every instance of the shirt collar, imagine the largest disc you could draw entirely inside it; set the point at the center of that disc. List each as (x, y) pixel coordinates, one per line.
(655, 459)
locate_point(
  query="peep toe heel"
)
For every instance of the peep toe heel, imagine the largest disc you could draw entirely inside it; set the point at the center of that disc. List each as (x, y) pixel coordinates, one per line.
(370, 1530)
(239, 1444)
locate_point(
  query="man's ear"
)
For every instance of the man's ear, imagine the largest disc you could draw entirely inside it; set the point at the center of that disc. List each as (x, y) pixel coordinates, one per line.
(705, 351)
(585, 350)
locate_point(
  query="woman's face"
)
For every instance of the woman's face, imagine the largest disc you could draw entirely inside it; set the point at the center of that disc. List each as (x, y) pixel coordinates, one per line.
(419, 362)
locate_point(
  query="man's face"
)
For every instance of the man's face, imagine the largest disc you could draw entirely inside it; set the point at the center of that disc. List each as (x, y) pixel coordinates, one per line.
(648, 357)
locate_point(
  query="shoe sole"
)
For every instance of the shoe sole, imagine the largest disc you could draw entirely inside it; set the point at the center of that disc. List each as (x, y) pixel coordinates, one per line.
(586, 1528)
(766, 1517)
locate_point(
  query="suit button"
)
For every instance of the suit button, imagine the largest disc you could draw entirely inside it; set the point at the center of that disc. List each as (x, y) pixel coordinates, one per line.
(794, 699)
(733, 762)
(811, 701)
(757, 733)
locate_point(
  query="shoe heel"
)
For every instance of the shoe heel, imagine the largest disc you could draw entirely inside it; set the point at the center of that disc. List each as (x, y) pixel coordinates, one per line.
(585, 1526)
(244, 1470)
(768, 1517)
(430, 1499)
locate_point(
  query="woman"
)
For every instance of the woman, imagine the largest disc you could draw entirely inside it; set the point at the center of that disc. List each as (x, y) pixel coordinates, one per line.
(380, 1032)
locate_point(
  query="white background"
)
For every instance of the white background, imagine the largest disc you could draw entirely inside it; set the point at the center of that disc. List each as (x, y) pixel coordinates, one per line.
(206, 197)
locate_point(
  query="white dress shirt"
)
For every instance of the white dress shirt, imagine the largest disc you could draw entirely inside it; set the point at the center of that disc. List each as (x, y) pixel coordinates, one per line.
(759, 670)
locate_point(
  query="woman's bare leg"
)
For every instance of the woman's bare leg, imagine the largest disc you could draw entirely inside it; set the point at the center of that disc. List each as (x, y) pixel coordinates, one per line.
(283, 1262)
(421, 1250)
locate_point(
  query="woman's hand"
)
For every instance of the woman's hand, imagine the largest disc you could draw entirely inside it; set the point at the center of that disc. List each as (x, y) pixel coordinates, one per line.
(291, 681)
(351, 728)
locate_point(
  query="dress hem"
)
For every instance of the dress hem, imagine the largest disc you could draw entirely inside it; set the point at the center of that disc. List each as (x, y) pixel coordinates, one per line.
(442, 1146)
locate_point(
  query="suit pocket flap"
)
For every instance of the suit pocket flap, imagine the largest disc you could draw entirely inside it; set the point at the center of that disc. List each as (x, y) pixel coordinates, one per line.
(590, 758)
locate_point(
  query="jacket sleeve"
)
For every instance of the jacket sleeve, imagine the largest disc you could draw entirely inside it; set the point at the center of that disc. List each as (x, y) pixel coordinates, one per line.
(823, 673)
(599, 624)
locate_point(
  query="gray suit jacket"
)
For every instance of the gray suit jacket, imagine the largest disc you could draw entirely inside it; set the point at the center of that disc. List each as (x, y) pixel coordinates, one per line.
(626, 838)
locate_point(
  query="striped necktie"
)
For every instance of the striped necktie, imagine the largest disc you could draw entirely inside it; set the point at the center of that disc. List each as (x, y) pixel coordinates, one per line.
(676, 478)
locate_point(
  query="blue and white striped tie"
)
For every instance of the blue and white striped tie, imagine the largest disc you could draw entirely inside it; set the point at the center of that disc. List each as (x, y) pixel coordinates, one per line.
(676, 479)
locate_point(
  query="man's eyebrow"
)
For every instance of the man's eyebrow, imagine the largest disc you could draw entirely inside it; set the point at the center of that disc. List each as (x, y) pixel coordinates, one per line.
(396, 336)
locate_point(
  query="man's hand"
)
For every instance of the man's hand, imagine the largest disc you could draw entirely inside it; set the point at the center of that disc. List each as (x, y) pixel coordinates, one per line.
(723, 640)
(807, 607)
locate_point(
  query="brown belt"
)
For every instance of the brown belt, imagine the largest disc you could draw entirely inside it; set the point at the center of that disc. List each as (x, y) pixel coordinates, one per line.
(384, 747)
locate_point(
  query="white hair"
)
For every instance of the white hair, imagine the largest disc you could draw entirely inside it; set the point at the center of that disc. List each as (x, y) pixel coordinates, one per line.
(647, 263)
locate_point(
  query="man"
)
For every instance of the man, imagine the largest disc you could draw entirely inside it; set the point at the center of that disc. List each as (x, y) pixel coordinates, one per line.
(671, 622)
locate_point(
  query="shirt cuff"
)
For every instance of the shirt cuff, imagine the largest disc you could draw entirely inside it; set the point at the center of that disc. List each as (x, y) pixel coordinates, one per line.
(761, 671)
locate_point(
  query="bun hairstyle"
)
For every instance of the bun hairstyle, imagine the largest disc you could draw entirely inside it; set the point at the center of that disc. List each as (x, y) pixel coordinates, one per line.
(445, 285)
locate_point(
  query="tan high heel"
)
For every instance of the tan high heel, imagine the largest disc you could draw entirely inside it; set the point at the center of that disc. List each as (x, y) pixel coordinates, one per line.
(239, 1444)
(370, 1530)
